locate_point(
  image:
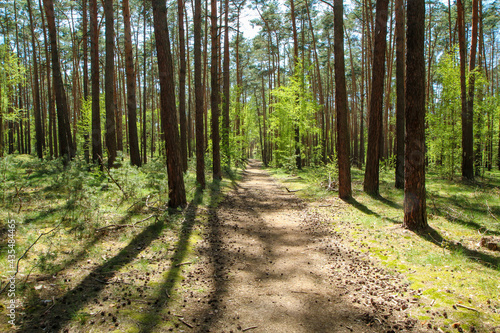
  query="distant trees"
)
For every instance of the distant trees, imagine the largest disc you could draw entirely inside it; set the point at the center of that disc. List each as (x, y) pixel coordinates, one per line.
(240, 95)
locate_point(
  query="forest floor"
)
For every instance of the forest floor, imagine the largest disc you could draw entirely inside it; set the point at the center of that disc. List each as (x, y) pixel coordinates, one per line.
(272, 264)
(254, 258)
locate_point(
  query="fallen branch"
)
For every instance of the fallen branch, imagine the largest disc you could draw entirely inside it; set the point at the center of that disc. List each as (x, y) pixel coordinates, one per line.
(120, 226)
(27, 250)
(291, 191)
(249, 328)
(466, 307)
(184, 263)
(111, 177)
(185, 323)
(489, 211)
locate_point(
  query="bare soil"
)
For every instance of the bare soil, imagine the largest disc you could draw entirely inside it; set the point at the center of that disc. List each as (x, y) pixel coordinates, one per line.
(265, 261)
(275, 264)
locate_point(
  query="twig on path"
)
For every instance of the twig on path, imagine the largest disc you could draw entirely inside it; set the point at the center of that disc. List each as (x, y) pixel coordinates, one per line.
(183, 263)
(249, 328)
(291, 191)
(185, 323)
(466, 307)
(305, 292)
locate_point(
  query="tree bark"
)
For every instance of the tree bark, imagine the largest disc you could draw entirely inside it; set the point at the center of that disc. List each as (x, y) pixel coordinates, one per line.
(400, 93)
(226, 91)
(65, 141)
(215, 93)
(94, 69)
(343, 142)
(135, 155)
(472, 79)
(85, 42)
(467, 131)
(198, 92)
(39, 137)
(182, 84)
(298, 158)
(109, 83)
(415, 215)
(371, 182)
(177, 193)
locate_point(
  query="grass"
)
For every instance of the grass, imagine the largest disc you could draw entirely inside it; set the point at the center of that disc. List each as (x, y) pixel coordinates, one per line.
(447, 264)
(79, 211)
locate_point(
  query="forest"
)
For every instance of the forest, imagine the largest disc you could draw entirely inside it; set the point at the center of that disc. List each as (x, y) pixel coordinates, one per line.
(134, 130)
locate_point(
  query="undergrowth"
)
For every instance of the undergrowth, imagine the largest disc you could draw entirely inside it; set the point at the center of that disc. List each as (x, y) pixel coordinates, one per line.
(458, 278)
(75, 222)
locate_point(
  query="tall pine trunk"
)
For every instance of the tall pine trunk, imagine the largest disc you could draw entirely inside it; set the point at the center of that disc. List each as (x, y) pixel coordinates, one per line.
(94, 69)
(371, 182)
(415, 214)
(298, 157)
(109, 83)
(467, 131)
(85, 42)
(400, 93)
(135, 155)
(198, 95)
(66, 149)
(226, 91)
(177, 193)
(215, 92)
(182, 84)
(39, 137)
(343, 144)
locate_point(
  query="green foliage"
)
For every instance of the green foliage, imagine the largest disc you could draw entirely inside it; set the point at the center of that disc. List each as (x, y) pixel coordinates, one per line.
(12, 73)
(294, 107)
(444, 125)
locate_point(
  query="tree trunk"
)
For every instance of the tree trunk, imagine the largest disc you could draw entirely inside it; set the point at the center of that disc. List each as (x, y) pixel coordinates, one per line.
(400, 94)
(144, 94)
(371, 183)
(467, 131)
(85, 42)
(39, 137)
(182, 85)
(109, 83)
(472, 66)
(298, 158)
(198, 93)
(65, 141)
(343, 147)
(135, 156)
(415, 215)
(177, 193)
(226, 91)
(94, 69)
(215, 92)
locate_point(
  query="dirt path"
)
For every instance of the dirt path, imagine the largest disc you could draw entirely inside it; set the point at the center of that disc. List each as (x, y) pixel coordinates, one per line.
(271, 265)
